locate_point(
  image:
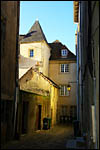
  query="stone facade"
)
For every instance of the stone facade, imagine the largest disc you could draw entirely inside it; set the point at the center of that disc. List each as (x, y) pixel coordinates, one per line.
(44, 61)
(87, 48)
(41, 54)
(64, 79)
(41, 95)
(9, 66)
(33, 79)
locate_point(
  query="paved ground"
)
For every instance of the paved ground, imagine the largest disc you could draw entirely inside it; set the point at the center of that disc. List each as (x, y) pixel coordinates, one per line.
(55, 138)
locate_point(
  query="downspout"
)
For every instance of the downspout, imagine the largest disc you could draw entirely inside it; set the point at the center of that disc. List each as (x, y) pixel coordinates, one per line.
(16, 71)
(80, 48)
(93, 107)
(94, 98)
(77, 53)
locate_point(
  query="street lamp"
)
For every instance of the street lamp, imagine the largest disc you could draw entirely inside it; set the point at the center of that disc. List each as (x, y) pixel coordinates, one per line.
(68, 87)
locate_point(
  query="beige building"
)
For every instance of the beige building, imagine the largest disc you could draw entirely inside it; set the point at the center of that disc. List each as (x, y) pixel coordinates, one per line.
(38, 100)
(9, 67)
(62, 70)
(86, 15)
(54, 62)
(35, 47)
(37, 90)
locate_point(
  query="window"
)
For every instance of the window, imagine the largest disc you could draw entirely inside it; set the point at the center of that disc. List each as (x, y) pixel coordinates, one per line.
(64, 67)
(64, 110)
(63, 90)
(31, 52)
(64, 52)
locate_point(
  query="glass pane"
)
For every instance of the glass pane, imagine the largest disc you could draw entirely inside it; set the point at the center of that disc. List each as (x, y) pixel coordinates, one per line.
(66, 68)
(62, 67)
(62, 91)
(31, 53)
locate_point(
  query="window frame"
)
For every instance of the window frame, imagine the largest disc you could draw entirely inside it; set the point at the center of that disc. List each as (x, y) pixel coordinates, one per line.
(31, 53)
(65, 91)
(64, 69)
(64, 52)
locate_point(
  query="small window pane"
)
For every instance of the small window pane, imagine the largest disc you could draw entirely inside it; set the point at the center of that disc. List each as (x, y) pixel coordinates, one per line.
(66, 68)
(64, 52)
(62, 67)
(62, 91)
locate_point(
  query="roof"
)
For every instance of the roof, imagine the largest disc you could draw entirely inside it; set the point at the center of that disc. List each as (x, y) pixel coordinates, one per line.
(46, 78)
(41, 74)
(35, 33)
(21, 37)
(56, 48)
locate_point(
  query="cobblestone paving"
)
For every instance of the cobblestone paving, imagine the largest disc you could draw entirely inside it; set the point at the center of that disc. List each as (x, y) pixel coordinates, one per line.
(54, 138)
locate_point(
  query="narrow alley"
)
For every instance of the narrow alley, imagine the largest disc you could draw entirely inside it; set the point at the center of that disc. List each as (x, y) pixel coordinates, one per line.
(55, 138)
(50, 75)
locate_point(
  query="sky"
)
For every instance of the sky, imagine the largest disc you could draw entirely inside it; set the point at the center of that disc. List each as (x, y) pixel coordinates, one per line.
(55, 18)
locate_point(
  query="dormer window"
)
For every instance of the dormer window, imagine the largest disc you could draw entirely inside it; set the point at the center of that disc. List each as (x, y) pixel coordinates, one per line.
(64, 52)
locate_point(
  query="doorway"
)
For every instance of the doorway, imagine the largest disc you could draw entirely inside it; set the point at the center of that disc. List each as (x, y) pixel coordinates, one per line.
(25, 117)
(38, 117)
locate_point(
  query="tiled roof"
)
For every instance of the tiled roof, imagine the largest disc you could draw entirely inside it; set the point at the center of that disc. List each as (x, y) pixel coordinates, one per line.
(56, 48)
(34, 34)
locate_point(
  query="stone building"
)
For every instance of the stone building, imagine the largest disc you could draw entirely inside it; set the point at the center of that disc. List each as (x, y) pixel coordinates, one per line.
(86, 15)
(38, 100)
(62, 70)
(35, 47)
(46, 58)
(39, 94)
(9, 67)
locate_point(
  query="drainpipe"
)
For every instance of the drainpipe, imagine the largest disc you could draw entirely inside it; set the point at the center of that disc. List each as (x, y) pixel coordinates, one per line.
(16, 70)
(95, 126)
(94, 100)
(80, 48)
(77, 52)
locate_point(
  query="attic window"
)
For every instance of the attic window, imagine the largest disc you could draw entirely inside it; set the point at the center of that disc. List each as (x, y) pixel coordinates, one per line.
(64, 52)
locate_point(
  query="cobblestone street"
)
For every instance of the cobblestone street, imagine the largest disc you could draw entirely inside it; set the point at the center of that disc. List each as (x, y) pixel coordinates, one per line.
(54, 138)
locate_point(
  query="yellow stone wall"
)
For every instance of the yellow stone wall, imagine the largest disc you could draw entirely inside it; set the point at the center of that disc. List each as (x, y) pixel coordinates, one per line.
(64, 78)
(41, 54)
(35, 83)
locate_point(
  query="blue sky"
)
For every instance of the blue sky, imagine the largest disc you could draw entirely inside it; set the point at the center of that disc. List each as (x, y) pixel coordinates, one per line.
(55, 18)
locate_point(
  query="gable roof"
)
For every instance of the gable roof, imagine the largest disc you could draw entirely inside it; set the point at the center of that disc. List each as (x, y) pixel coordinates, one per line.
(42, 75)
(56, 48)
(35, 34)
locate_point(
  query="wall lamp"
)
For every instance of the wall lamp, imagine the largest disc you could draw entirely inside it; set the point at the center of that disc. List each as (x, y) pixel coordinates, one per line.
(68, 87)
